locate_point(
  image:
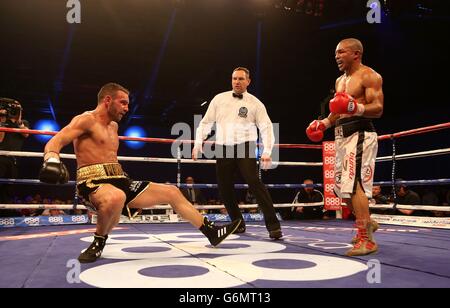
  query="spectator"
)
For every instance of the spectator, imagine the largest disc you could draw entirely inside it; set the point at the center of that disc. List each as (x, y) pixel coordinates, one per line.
(194, 195)
(379, 198)
(406, 196)
(250, 199)
(307, 195)
(11, 117)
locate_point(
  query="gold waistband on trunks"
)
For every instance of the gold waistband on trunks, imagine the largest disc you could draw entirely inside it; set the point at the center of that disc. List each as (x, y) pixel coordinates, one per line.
(99, 172)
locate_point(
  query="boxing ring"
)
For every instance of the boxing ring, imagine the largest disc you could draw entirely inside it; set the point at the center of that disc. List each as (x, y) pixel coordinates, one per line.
(160, 251)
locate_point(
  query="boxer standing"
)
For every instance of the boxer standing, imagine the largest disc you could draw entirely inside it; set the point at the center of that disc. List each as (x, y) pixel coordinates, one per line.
(358, 98)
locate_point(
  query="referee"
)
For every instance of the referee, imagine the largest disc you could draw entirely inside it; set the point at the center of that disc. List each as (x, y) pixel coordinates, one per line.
(237, 115)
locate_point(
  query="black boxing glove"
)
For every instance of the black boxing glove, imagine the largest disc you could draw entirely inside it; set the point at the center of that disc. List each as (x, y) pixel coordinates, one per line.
(53, 171)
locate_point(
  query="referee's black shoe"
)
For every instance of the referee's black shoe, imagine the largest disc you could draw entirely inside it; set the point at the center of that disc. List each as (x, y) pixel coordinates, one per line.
(275, 234)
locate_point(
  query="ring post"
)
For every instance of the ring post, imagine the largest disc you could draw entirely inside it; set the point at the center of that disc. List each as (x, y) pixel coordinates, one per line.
(394, 195)
(178, 165)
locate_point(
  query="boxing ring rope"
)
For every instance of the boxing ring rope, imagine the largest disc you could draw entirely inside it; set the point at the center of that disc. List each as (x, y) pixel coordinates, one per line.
(220, 206)
(410, 132)
(153, 159)
(244, 186)
(406, 133)
(415, 155)
(212, 161)
(206, 161)
(179, 161)
(156, 207)
(155, 140)
(415, 131)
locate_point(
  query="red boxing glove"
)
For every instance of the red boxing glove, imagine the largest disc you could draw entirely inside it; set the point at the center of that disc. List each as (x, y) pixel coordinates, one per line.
(342, 103)
(316, 128)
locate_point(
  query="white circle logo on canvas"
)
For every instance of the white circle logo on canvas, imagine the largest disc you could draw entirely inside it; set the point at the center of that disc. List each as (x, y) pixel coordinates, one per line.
(161, 265)
(151, 273)
(141, 251)
(188, 237)
(323, 267)
(236, 247)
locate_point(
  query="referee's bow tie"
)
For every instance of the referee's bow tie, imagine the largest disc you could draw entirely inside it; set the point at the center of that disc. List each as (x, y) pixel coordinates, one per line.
(240, 96)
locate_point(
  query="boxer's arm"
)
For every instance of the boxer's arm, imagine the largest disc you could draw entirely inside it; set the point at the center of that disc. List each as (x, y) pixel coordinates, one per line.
(373, 82)
(79, 125)
(332, 117)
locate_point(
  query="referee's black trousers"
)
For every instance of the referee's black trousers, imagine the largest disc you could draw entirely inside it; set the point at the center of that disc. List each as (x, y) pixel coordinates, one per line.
(247, 165)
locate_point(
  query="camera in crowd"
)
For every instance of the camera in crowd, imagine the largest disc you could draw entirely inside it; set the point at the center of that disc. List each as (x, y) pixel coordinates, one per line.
(10, 107)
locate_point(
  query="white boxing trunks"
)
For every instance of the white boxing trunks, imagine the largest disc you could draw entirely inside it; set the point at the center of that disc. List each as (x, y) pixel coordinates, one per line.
(356, 152)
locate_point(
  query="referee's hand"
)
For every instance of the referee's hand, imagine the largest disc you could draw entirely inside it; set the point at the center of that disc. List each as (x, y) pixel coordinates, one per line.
(195, 152)
(266, 161)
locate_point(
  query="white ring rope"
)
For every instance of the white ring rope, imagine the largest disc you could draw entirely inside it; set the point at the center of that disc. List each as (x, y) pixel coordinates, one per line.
(156, 207)
(221, 206)
(411, 207)
(415, 155)
(212, 161)
(152, 159)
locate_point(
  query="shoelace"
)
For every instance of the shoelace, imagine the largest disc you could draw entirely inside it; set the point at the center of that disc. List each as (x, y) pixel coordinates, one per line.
(358, 234)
